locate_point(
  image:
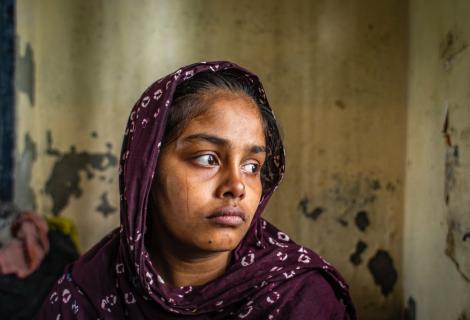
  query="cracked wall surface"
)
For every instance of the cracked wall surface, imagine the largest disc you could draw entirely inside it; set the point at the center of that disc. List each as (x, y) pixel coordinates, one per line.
(335, 74)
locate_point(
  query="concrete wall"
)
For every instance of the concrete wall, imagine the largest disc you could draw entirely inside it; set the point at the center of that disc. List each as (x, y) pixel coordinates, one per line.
(335, 73)
(437, 201)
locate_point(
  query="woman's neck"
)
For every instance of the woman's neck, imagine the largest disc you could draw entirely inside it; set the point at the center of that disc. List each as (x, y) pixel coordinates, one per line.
(180, 268)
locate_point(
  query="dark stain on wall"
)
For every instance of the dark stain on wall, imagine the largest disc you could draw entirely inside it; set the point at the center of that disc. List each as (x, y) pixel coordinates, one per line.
(450, 247)
(375, 184)
(313, 214)
(390, 187)
(105, 208)
(342, 221)
(25, 73)
(64, 180)
(463, 316)
(24, 194)
(356, 258)
(362, 220)
(340, 104)
(383, 271)
(452, 162)
(451, 159)
(466, 236)
(351, 196)
(94, 134)
(454, 195)
(465, 134)
(451, 46)
(410, 309)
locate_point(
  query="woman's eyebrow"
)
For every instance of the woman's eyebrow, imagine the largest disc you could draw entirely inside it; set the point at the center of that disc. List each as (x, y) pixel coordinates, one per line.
(258, 149)
(221, 141)
(208, 137)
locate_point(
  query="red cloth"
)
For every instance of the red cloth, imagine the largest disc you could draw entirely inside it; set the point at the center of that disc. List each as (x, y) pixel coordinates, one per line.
(25, 252)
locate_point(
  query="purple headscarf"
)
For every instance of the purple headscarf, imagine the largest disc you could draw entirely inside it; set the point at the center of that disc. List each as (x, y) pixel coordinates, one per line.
(269, 276)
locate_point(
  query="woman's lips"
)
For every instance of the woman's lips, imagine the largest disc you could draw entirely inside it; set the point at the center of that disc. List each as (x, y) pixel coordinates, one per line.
(228, 216)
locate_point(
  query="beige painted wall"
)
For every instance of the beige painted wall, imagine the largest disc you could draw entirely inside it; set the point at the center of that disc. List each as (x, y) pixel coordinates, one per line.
(335, 73)
(436, 256)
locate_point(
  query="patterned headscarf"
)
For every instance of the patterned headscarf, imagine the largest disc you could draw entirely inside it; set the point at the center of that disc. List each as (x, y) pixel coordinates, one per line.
(269, 276)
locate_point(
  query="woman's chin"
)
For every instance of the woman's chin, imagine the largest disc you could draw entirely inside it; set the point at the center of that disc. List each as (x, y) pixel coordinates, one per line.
(220, 242)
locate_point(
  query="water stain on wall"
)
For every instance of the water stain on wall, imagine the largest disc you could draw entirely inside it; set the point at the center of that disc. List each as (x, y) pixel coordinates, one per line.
(466, 236)
(356, 258)
(450, 251)
(383, 271)
(340, 104)
(64, 180)
(362, 220)
(105, 208)
(313, 214)
(450, 47)
(352, 195)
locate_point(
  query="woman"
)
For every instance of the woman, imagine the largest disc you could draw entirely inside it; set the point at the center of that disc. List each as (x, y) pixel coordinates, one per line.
(200, 159)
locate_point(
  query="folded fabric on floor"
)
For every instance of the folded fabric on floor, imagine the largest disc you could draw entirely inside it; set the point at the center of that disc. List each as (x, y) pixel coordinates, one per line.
(27, 248)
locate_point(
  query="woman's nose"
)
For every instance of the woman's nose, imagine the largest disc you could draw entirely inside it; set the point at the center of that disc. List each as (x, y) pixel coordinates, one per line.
(232, 185)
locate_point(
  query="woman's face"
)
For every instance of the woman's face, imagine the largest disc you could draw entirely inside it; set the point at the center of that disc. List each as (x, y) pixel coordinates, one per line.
(208, 180)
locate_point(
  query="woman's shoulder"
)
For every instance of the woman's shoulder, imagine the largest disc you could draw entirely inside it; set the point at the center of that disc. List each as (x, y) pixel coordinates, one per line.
(313, 295)
(65, 300)
(69, 297)
(311, 288)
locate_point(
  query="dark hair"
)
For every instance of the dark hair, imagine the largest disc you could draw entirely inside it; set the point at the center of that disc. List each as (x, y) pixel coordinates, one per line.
(188, 103)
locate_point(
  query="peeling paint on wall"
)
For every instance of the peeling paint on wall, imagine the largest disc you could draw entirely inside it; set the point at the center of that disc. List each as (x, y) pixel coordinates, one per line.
(450, 47)
(64, 180)
(105, 208)
(313, 214)
(383, 270)
(457, 183)
(25, 197)
(356, 258)
(452, 156)
(362, 220)
(25, 73)
(349, 198)
(450, 250)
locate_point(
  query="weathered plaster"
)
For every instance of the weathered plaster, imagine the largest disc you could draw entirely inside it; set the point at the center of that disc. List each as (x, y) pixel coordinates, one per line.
(437, 217)
(25, 197)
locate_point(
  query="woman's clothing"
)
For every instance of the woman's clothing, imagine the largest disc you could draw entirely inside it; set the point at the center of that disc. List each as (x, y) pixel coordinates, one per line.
(22, 298)
(269, 276)
(25, 251)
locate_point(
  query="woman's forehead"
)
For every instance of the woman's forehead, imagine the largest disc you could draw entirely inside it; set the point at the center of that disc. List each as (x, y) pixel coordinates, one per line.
(235, 119)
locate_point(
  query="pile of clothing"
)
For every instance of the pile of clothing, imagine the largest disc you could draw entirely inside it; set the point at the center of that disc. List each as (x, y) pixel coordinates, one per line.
(33, 253)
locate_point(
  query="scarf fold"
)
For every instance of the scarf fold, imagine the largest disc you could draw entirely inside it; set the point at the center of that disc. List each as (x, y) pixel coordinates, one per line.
(269, 277)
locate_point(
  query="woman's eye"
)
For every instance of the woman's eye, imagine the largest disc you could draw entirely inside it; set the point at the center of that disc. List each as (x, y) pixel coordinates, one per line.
(251, 167)
(207, 160)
